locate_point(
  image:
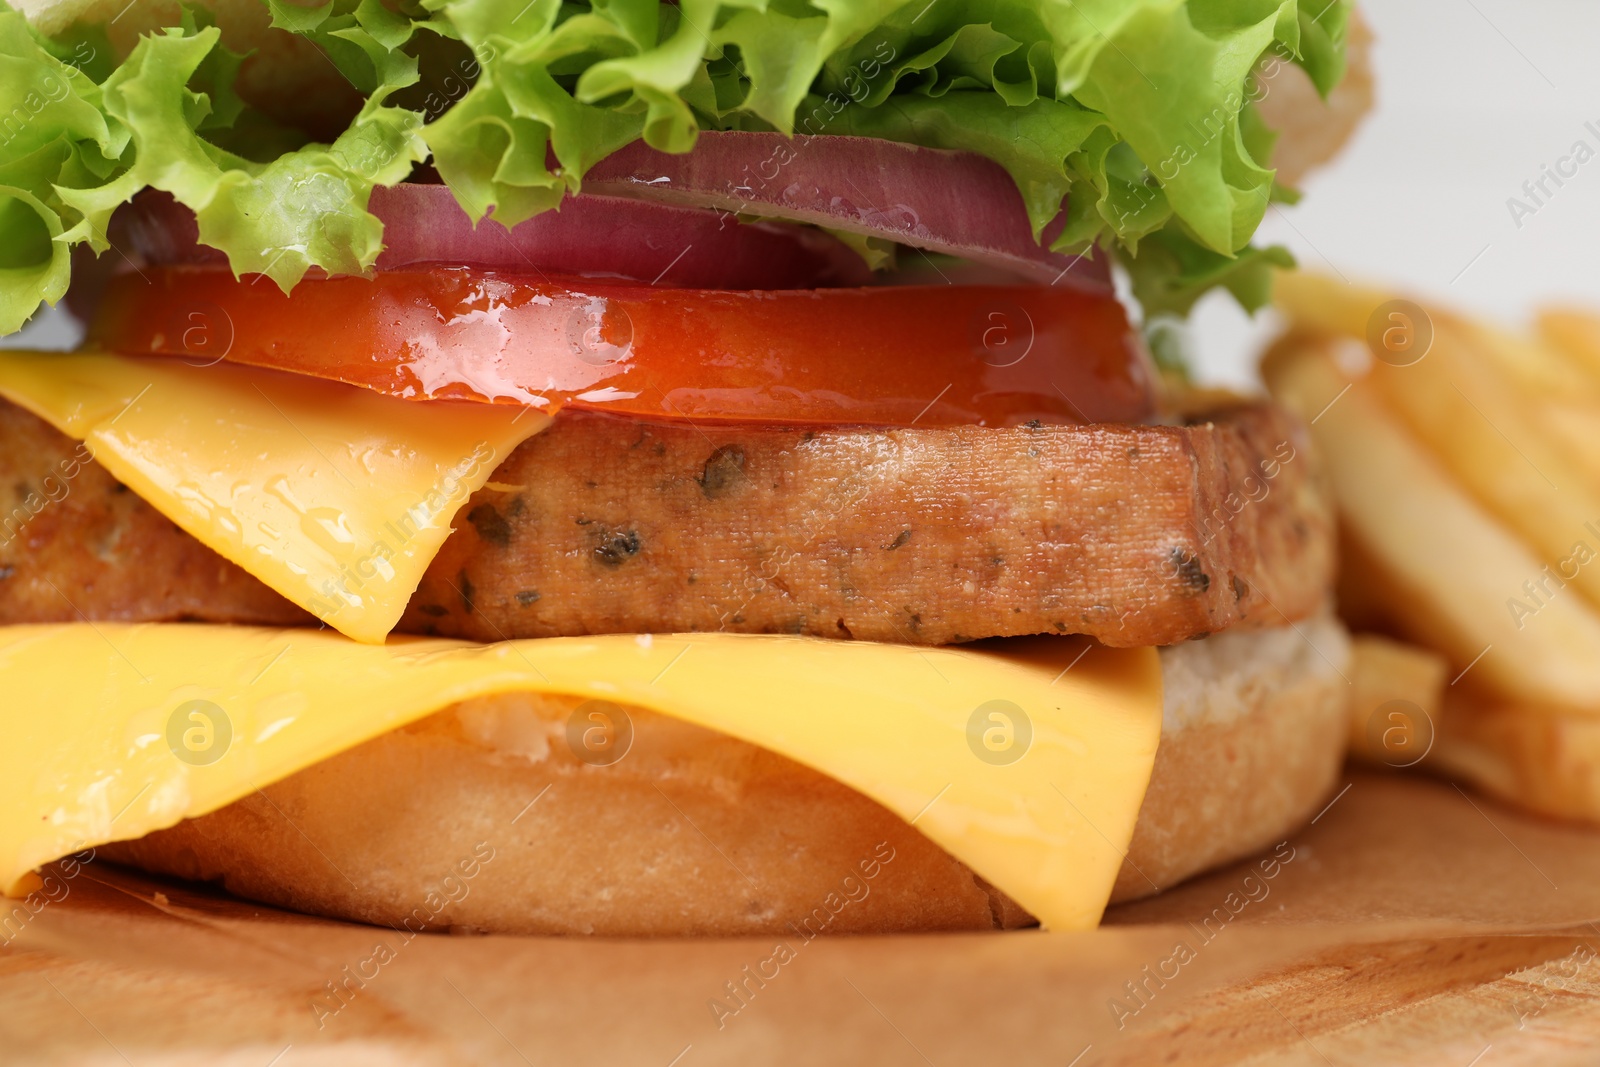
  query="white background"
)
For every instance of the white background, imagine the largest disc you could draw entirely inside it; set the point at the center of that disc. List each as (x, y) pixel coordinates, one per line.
(1473, 96)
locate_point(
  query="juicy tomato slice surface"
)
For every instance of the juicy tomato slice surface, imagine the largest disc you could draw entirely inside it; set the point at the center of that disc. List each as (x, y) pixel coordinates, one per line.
(892, 356)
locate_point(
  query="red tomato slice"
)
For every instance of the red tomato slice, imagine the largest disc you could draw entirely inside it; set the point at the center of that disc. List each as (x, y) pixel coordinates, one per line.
(894, 356)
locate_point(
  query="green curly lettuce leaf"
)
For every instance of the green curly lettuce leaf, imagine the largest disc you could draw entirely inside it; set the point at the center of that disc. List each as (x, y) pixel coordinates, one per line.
(1127, 125)
(54, 125)
(1171, 272)
(72, 151)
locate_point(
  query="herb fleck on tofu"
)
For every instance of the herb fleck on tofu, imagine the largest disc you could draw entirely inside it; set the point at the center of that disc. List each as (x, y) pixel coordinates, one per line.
(617, 547)
(490, 524)
(723, 471)
(1190, 572)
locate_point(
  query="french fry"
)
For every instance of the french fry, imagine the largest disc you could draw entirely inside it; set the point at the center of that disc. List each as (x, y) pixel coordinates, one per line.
(1467, 400)
(1482, 430)
(1456, 474)
(1450, 573)
(1577, 426)
(1322, 305)
(1325, 305)
(1537, 369)
(1545, 761)
(1398, 692)
(1574, 333)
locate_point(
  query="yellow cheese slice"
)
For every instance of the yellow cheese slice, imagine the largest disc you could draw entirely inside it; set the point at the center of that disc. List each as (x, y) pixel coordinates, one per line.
(1029, 772)
(335, 496)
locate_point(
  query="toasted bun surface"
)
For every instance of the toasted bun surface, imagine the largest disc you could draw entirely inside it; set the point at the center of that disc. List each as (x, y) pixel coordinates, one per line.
(1312, 132)
(482, 817)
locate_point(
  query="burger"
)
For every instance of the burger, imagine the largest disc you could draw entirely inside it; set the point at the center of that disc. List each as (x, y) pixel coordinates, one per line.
(656, 469)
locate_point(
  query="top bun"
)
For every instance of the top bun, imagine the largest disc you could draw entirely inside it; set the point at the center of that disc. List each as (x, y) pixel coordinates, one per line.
(53, 16)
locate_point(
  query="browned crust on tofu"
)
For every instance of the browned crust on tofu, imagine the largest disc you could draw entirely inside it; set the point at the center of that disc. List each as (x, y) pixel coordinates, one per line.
(1137, 535)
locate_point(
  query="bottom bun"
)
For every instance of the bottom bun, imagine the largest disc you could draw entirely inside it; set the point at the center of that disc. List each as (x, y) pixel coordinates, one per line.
(480, 817)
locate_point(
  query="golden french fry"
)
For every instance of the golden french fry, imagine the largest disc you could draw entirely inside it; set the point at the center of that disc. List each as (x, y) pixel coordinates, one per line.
(1576, 425)
(1574, 333)
(1536, 370)
(1395, 705)
(1448, 572)
(1323, 305)
(1458, 393)
(1442, 453)
(1476, 424)
(1545, 761)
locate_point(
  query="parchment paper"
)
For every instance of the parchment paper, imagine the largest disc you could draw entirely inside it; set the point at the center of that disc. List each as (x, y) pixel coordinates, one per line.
(126, 969)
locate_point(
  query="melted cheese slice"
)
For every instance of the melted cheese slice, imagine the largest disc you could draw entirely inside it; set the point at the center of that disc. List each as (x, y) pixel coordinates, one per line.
(335, 496)
(94, 714)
